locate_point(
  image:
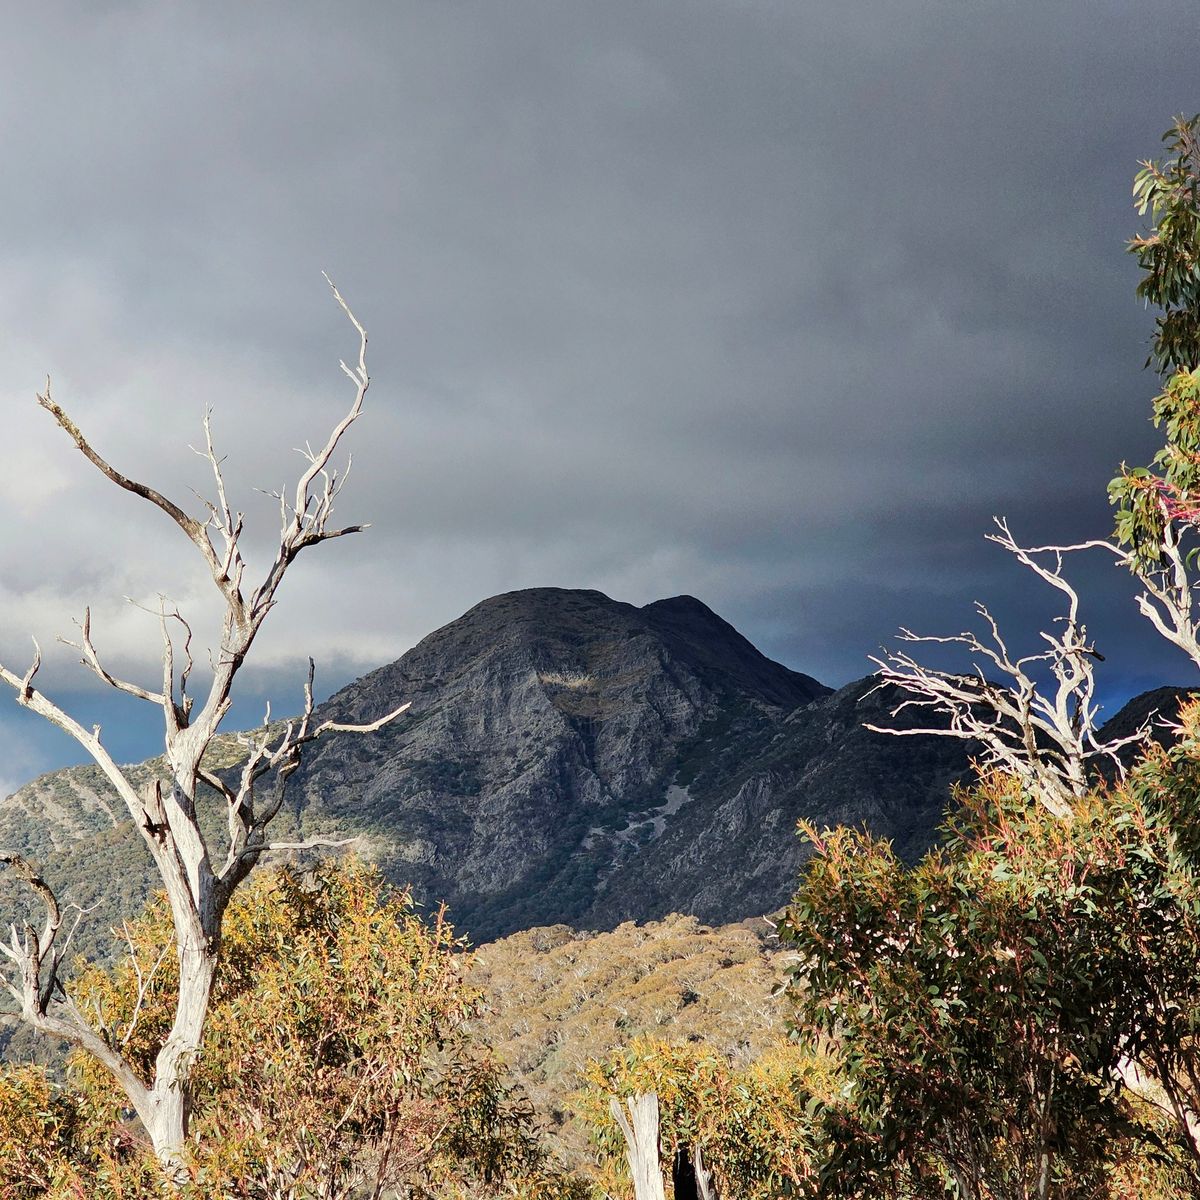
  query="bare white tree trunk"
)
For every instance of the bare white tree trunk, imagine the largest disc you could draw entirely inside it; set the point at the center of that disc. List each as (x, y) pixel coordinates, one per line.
(198, 885)
(640, 1129)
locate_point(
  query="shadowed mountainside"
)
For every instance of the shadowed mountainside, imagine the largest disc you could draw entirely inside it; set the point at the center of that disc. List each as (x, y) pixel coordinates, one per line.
(567, 759)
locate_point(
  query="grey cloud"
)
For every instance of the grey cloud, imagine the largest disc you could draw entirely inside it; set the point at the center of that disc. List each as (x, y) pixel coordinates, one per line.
(775, 303)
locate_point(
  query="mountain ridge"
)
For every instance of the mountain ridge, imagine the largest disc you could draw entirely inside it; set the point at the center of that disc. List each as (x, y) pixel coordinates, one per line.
(568, 759)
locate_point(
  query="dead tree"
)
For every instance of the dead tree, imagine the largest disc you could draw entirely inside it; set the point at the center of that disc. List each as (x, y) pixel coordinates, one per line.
(639, 1126)
(1048, 741)
(198, 879)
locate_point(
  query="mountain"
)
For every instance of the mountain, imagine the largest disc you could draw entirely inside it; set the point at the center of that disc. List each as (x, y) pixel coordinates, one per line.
(567, 759)
(1155, 710)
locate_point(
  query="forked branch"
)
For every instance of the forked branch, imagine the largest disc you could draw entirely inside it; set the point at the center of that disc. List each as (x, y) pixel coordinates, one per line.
(34, 953)
(91, 660)
(247, 822)
(33, 980)
(1048, 740)
(1169, 601)
(165, 813)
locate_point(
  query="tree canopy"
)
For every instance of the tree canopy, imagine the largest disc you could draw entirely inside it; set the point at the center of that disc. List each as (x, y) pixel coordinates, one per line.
(338, 1060)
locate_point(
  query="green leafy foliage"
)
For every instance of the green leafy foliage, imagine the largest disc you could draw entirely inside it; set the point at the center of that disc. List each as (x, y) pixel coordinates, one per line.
(982, 1002)
(1169, 254)
(1149, 501)
(337, 1056)
(56, 1144)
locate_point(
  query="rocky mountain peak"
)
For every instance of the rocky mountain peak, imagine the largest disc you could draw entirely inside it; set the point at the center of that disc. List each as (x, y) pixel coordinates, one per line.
(696, 632)
(569, 758)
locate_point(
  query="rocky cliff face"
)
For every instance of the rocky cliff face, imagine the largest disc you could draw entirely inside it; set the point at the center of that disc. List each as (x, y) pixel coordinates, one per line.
(570, 758)
(567, 758)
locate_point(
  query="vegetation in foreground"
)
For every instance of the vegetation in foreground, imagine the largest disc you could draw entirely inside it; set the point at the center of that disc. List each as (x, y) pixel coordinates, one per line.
(338, 1061)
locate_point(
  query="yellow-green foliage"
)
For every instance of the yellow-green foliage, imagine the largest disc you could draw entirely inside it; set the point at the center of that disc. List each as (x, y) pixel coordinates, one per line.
(752, 1124)
(337, 1055)
(982, 1000)
(555, 999)
(56, 1144)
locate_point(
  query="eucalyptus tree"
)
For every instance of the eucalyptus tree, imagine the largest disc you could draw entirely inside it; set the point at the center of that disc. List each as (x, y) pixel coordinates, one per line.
(1050, 740)
(983, 1002)
(198, 876)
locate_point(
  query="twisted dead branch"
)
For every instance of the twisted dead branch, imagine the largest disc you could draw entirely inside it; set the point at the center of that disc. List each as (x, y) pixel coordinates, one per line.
(164, 812)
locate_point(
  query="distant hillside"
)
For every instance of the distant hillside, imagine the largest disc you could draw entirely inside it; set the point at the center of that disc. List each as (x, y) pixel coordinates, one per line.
(556, 997)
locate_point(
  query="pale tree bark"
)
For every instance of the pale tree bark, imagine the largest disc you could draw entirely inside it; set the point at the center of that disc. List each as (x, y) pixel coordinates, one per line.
(705, 1184)
(198, 880)
(1051, 742)
(639, 1126)
(690, 1178)
(1161, 1091)
(1169, 601)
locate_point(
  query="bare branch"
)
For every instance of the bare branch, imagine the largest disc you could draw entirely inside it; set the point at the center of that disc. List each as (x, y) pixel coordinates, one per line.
(305, 524)
(80, 912)
(30, 951)
(248, 824)
(25, 689)
(1169, 602)
(185, 701)
(37, 959)
(166, 817)
(29, 697)
(91, 660)
(144, 979)
(312, 843)
(372, 727)
(1048, 741)
(189, 525)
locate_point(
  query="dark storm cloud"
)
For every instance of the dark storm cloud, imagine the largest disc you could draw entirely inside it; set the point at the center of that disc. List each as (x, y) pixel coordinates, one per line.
(774, 303)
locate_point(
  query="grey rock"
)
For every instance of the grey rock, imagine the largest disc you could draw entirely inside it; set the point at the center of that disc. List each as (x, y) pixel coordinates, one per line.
(569, 758)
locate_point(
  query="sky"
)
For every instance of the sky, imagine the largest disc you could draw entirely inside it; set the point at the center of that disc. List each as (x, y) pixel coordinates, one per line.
(772, 303)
